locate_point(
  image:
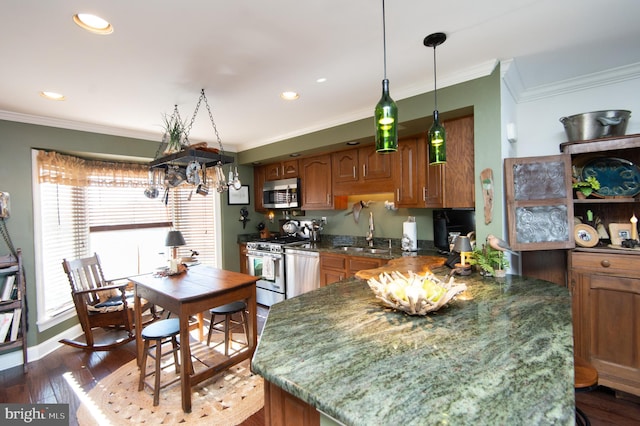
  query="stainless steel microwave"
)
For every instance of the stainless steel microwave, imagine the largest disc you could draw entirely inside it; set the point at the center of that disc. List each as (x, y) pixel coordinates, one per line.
(281, 194)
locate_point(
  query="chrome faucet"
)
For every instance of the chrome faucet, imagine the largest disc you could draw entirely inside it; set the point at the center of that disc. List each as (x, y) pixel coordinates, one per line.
(371, 228)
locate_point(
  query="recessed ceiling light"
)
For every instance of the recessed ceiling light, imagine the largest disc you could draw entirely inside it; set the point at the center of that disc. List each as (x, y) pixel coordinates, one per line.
(52, 96)
(295, 154)
(92, 23)
(289, 96)
(353, 143)
(321, 80)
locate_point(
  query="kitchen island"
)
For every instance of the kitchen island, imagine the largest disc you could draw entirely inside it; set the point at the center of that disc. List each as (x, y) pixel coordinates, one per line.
(501, 354)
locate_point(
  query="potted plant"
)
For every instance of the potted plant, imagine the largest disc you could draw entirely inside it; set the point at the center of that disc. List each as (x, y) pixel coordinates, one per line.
(584, 188)
(174, 132)
(490, 261)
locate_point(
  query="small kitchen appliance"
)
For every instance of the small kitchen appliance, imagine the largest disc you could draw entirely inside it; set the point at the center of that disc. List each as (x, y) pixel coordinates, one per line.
(448, 221)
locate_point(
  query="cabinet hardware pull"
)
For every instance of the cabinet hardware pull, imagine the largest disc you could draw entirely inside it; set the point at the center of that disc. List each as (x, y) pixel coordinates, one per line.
(354, 172)
(398, 194)
(605, 263)
(364, 170)
(424, 193)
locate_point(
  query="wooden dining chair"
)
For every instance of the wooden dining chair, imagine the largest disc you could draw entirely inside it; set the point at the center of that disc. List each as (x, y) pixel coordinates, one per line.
(100, 303)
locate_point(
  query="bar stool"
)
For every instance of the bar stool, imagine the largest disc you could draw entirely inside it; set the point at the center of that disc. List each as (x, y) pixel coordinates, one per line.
(159, 333)
(585, 380)
(227, 323)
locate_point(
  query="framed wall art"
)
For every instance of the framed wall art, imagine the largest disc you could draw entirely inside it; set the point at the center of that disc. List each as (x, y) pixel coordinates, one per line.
(238, 196)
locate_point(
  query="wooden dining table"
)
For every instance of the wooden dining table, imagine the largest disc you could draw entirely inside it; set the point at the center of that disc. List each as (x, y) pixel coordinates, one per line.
(190, 294)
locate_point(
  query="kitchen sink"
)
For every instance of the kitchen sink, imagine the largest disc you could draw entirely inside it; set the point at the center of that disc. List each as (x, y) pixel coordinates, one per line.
(363, 249)
(376, 250)
(350, 248)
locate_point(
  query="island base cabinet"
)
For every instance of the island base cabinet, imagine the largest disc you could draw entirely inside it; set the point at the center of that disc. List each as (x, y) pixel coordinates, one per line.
(283, 409)
(606, 315)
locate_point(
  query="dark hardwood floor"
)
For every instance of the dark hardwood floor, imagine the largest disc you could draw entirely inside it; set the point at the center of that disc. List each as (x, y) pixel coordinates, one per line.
(45, 383)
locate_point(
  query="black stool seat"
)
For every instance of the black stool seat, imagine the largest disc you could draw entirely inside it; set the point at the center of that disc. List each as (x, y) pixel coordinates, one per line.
(161, 329)
(159, 332)
(229, 308)
(228, 323)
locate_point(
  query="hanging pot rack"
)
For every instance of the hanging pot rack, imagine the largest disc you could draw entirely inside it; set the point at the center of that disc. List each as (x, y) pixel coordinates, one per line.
(204, 156)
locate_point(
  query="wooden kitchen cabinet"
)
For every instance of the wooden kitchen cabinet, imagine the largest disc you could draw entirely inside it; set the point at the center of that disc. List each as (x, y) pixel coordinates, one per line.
(417, 183)
(283, 409)
(244, 267)
(336, 267)
(316, 182)
(449, 185)
(362, 171)
(259, 178)
(281, 170)
(605, 290)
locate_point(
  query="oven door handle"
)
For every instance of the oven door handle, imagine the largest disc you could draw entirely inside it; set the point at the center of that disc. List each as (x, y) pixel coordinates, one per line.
(264, 254)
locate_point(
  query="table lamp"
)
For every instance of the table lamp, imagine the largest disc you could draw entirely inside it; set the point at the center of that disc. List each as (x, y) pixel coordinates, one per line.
(174, 240)
(462, 245)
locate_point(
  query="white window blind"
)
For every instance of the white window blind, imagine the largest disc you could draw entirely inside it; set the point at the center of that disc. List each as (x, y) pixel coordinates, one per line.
(104, 210)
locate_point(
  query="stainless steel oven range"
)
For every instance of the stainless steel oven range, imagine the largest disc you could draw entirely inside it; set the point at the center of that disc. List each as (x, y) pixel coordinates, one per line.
(266, 259)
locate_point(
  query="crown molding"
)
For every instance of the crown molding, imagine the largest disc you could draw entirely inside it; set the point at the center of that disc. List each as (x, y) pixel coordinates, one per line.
(513, 82)
(77, 125)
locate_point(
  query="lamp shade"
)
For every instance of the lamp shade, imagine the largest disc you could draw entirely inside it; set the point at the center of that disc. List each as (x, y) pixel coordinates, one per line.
(386, 116)
(174, 239)
(462, 244)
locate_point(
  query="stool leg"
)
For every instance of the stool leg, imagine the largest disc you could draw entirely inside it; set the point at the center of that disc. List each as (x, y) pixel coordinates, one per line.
(176, 359)
(156, 388)
(244, 326)
(227, 333)
(581, 418)
(213, 319)
(143, 367)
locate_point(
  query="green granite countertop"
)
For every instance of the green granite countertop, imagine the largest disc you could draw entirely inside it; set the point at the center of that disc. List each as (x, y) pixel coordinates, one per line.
(503, 357)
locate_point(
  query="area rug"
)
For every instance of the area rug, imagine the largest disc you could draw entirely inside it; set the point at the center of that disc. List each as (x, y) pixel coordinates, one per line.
(226, 399)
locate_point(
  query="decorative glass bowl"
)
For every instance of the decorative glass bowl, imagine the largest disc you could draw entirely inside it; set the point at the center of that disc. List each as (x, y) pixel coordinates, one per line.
(414, 294)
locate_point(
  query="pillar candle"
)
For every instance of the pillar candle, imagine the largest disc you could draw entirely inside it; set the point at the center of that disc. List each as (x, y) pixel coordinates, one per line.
(634, 227)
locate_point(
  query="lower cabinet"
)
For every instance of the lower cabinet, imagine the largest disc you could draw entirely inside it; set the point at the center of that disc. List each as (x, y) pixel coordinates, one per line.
(283, 409)
(244, 268)
(337, 267)
(606, 313)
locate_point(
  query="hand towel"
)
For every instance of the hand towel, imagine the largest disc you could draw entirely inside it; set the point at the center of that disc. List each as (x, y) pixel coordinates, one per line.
(268, 268)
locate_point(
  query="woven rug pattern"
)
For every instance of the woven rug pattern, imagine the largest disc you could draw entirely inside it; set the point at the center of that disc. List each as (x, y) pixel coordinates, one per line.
(226, 399)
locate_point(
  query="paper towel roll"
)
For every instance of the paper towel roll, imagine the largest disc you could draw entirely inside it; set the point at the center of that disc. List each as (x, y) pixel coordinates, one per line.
(410, 236)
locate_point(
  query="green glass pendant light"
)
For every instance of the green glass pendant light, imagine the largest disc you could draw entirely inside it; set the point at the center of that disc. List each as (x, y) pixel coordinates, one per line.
(386, 113)
(436, 136)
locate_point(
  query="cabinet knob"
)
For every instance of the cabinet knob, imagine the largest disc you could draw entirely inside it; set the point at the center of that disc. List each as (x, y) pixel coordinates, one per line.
(605, 263)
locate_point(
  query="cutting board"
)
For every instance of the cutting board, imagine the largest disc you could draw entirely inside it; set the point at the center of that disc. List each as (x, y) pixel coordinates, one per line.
(417, 264)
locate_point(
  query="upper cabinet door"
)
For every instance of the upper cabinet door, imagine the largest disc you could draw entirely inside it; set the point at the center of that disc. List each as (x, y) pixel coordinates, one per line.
(539, 202)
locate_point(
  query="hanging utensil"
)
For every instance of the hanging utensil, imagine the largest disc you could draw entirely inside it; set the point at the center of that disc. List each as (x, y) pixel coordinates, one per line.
(152, 190)
(203, 189)
(193, 173)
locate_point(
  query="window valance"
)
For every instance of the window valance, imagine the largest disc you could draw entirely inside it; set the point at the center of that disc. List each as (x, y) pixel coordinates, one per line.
(63, 169)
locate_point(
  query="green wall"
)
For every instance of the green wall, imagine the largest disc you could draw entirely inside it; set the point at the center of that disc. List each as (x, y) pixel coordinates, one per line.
(482, 96)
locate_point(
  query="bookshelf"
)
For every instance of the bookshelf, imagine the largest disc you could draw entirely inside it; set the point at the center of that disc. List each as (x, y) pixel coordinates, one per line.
(13, 313)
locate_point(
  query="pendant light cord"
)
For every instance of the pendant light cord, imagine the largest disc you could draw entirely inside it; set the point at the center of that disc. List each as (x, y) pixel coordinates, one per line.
(384, 41)
(435, 80)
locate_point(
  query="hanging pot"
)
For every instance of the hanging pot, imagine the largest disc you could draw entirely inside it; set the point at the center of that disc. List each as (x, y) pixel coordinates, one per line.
(174, 177)
(595, 125)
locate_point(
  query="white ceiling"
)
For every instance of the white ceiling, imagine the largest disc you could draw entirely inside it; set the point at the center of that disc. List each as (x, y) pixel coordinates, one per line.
(245, 52)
